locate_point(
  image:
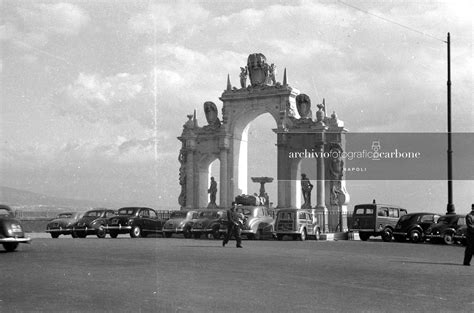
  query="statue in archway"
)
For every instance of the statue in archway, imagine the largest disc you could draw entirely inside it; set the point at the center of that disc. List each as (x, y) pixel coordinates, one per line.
(306, 188)
(212, 191)
(210, 109)
(303, 105)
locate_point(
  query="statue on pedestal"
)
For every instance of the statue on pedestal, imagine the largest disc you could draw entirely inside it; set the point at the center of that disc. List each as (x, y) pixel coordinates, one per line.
(243, 77)
(210, 109)
(213, 191)
(306, 188)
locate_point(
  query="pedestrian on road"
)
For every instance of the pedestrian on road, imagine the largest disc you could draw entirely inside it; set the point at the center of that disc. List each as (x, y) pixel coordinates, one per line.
(234, 226)
(469, 237)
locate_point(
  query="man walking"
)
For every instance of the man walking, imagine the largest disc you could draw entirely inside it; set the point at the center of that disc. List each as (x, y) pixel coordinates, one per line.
(469, 237)
(233, 226)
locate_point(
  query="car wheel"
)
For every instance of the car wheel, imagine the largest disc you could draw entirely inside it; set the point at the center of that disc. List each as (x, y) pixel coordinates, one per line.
(135, 232)
(82, 234)
(74, 234)
(415, 236)
(448, 238)
(54, 235)
(167, 235)
(317, 234)
(10, 246)
(101, 233)
(303, 235)
(364, 236)
(387, 235)
(187, 232)
(279, 237)
(197, 235)
(113, 234)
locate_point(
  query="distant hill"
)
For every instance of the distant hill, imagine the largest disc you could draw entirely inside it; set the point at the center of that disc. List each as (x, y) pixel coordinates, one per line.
(27, 200)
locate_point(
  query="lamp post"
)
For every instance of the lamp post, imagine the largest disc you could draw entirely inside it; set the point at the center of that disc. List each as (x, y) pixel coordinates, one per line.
(450, 207)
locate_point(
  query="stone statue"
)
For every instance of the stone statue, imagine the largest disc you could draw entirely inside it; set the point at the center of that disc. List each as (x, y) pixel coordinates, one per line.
(321, 113)
(213, 191)
(303, 105)
(210, 109)
(243, 77)
(272, 73)
(182, 178)
(306, 188)
(336, 165)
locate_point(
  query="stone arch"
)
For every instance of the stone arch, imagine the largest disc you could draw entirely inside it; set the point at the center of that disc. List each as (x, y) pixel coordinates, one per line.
(239, 148)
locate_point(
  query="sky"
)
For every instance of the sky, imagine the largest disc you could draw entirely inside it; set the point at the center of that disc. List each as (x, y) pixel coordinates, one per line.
(94, 93)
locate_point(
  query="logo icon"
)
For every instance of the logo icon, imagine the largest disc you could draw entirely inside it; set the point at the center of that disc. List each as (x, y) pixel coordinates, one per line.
(376, 147)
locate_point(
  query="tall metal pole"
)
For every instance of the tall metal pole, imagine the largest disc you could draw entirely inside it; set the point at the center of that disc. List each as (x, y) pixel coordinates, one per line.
(450, 207)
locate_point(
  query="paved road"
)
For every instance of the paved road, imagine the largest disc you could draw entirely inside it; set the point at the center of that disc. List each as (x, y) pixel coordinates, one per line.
(188, 275)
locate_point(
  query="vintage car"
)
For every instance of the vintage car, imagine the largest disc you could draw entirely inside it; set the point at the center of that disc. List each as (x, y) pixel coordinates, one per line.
(445, 229)
(297, 223)
(63, 223)
(375, 220)
(258, 222)
(136, 221)
(412, 226)
(11, 231)
(94, 222)
(208, 223)
(460, 235)
(180, 222)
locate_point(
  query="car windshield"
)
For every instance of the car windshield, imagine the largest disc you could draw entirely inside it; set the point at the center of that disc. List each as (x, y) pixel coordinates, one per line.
(207, 214)
(286, 215)
(126, 211)
(364, 210)
(65, 215)
(446, 219)
(244, 211)
(405, 218)
(93, 213)
(4, 212)
(178, 214)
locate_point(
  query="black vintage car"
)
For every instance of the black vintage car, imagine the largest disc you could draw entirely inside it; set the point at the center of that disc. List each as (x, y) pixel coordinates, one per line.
(445, 229)
(11, 232)
(94, 222)
(62, 224)
(136, 221)
(412, 226)
(208, 223)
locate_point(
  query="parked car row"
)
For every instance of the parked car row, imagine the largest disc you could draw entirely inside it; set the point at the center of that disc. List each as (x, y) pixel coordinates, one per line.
(389, 221)
(259, 222)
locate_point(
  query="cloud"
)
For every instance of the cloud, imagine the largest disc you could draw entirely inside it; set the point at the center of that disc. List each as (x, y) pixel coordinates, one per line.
(168, 17)
(96, 98)
(59, 18)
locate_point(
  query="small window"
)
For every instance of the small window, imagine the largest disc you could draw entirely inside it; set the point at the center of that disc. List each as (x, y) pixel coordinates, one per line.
(427, 219)
(152, 214)
(382, 212)
(394, 212)
(462, 221)
(302, 215)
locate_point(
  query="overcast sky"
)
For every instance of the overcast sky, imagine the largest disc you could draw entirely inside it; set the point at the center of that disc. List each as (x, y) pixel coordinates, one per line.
(94, 93)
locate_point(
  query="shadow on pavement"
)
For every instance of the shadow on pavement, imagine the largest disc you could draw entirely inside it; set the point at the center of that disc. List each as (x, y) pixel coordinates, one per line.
(433, 263)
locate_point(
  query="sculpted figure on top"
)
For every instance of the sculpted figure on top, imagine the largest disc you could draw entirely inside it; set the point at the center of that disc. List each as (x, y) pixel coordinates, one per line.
(258, 70)
(210, 109)
(303, 105)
